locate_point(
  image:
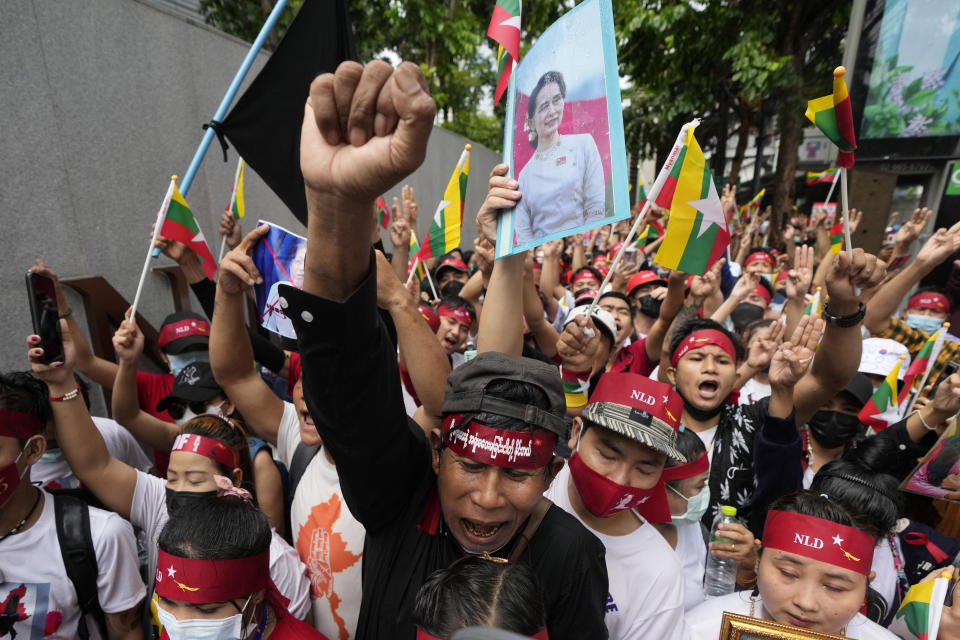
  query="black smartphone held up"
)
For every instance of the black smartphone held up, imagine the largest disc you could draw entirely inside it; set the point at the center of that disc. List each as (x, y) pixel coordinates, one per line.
(46, 320)
(950, 367)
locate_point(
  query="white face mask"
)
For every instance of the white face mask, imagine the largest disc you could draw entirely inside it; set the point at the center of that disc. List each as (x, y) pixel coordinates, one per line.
(696, 507)
(189, 415)
(230, 628)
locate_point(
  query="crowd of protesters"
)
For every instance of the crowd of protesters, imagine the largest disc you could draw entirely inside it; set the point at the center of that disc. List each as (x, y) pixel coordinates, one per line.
(522, 449)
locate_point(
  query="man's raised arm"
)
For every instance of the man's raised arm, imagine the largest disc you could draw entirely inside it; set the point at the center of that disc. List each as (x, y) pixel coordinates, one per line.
(364, 130)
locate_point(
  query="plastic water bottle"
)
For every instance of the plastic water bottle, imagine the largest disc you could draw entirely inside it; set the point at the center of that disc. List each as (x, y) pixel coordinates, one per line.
(721, 574)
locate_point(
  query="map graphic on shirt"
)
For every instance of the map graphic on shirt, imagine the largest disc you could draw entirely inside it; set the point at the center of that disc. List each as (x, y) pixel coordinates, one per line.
(24, 611)
(325, 553)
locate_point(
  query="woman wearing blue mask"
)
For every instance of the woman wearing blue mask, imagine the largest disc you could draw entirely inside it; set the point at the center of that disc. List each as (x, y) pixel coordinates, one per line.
(927, 310)
(213, 575)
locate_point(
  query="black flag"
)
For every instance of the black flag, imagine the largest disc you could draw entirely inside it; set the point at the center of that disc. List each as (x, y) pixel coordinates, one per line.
(264, 125)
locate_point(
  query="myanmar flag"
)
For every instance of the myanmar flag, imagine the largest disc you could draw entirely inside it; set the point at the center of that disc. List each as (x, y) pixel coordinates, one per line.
(651, 232)
(815, 306)
(444, 233)
(816, 177)
(836, 237)
(925, 358)
(505, 29)
(883, 409)
(834, 117)
(180, 225)
(696, 234)
(749, 210)
(237, 205)
(383, 214)
(412, 256)
(919, 615)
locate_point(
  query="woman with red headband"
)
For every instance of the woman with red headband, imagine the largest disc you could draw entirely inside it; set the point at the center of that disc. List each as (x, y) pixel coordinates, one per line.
(813, 572)
(207, 446)
(213, 574)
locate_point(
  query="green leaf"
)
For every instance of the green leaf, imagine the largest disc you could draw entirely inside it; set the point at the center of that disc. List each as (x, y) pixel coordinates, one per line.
(921, 97)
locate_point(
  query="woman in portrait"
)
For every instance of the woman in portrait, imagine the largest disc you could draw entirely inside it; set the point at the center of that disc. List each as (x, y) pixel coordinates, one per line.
(562, 184)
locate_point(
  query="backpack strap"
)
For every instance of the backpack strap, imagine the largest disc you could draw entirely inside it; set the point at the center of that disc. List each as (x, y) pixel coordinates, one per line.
(76, 546)
(533, 522)
(302, 456)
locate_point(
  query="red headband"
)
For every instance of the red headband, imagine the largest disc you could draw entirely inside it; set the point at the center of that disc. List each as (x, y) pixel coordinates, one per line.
(585, 273)
(702, 338)
(763, 293)
(819, 539)
(208, 448)
(461, 314)
(694, 467)
(423, 635)
(206, 581)
(498, 447)
(760, 255)
(17, 424)
(930, 300)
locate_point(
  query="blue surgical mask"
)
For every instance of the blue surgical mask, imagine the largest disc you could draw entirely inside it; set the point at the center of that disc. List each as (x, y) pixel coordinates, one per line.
(179, 360)
(696, 507)
(230, 628)
(51, 455)
(924, 323)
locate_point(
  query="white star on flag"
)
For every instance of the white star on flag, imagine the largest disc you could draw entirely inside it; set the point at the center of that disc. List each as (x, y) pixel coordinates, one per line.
(440, 207)
(711, 209)
(583, 386)
(199, 237)
(171, 571)
(513, 22)
(837, 540)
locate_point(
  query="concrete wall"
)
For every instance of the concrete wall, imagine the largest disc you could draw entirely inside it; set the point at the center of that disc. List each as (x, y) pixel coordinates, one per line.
(100, 102)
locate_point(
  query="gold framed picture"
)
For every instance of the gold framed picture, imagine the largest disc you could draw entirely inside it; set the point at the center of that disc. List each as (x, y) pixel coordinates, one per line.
(737, 627)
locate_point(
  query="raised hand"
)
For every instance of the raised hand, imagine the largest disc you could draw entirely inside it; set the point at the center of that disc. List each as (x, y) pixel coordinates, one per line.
(912, 228)
(800, 277)
(793, 357)
(578, 347)
(747, 283)
(237, 270)
(850, 271)
(855, 217)
(55, 373)
(408, 200)
(502, 193)
(365, 128)
(399, 228)
(947, 397)
(765, 345)
(728, 200)
(176, 251)
(702, 286)
(128, 339)
(230, 229)
(483, 254)
(940, 246)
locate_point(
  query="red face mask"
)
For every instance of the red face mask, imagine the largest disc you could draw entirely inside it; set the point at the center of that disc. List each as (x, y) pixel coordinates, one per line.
(9, 480)
(602, 496)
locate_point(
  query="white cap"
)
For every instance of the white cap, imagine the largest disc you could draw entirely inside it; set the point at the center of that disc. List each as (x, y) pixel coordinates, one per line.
(602, 318)
(881, 354)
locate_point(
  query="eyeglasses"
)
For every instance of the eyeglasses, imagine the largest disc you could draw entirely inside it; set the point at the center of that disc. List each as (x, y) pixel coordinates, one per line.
(177, 409)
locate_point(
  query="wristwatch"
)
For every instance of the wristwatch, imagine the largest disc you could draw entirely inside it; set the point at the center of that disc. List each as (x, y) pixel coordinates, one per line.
(844, 322)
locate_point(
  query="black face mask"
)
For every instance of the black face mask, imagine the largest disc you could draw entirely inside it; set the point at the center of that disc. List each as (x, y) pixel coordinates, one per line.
(745, 313)
(177, 499)
(650, 306)
(701, 414)
(832, 429)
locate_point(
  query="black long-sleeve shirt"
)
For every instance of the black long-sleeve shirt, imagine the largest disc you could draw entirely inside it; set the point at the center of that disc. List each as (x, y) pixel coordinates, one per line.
(351, 385)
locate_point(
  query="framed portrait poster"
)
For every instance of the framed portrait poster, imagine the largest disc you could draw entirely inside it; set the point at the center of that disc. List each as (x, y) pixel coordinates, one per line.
(738, 627)
(563, 135)
(938, 472)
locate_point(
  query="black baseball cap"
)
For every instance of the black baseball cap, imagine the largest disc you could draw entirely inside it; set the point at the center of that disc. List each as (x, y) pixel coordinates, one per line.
(195, 382)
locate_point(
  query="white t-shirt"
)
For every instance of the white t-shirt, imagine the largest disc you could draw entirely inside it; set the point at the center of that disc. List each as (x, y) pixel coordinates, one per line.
(327, 536)
(692, 551)
(706, 436)
(753, 391)
(644, 574)
(32, 572)
(149, 512)
(562, 187)
(120, 443)
(703, 622)
(885, 582)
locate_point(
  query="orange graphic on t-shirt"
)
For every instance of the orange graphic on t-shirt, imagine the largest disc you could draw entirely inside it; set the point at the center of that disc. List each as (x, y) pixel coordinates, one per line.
(325, 553)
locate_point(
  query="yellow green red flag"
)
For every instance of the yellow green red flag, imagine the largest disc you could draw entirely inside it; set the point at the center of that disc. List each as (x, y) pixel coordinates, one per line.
(696, 233)
(444, 233)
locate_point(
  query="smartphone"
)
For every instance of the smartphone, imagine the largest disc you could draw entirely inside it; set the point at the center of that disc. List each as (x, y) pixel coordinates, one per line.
(630, 256)
(46, 321)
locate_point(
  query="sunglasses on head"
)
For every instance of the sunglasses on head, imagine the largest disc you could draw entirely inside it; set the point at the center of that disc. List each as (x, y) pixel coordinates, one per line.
(177, 409)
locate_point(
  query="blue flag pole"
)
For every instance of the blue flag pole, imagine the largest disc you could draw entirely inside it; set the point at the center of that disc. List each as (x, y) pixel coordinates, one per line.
(228, 99)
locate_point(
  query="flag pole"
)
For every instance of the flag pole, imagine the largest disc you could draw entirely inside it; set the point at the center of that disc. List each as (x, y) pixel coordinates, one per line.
(413, 271)
(233, 198)
(654, 192)
(433, 287)
(228, 97)
(161, 215)
(847, 241)
(926, 374)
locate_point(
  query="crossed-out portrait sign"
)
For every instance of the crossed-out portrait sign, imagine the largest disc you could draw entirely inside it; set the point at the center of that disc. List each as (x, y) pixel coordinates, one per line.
(563, 137)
